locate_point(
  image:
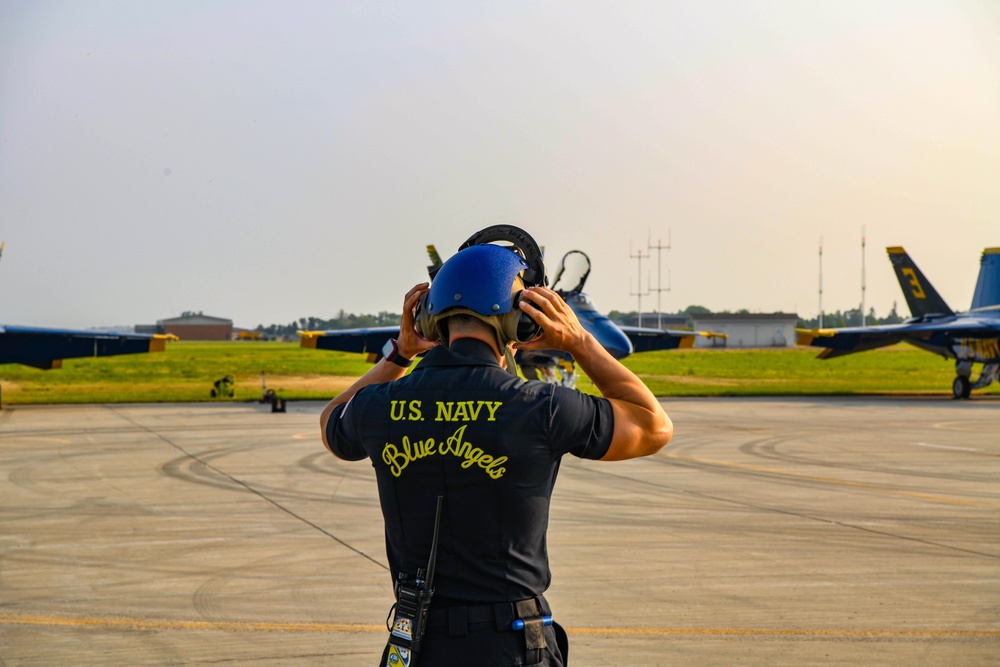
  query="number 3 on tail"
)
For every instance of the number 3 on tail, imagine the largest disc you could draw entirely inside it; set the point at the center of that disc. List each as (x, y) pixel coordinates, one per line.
(918, 291)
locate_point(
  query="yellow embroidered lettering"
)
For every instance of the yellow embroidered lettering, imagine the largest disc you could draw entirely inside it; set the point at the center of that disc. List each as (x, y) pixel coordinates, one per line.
(472, 456)
(493, 469)
(396, 410)
(455, 442)
(444, 411)
(396, 460)
(415, 414)
(474, 408)
(462, 411)
(493, 406)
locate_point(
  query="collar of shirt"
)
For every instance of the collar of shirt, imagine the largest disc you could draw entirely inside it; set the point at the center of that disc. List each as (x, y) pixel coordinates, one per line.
(462, 352)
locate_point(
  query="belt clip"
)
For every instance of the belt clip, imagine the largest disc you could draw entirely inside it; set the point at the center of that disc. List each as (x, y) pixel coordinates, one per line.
(530, 618)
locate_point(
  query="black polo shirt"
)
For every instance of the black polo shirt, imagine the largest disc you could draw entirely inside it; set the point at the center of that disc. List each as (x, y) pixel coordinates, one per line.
(460, 426)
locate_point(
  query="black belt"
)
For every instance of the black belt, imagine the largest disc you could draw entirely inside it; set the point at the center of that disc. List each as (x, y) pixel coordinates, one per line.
(460, 620)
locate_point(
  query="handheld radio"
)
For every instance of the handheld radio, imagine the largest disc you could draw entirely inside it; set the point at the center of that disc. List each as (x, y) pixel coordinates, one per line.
(413, 599)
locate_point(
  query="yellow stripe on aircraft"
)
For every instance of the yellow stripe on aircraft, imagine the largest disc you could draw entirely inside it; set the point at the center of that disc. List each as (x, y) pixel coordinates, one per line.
(159, 342)
(309, 338)
(807, 336)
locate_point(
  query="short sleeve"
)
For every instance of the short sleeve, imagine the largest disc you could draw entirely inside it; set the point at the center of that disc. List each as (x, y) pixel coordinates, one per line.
(580, 424)
(342, 435)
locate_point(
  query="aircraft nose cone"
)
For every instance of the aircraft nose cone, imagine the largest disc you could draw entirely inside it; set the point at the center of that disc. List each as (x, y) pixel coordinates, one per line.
(614, 341)
(604, 330)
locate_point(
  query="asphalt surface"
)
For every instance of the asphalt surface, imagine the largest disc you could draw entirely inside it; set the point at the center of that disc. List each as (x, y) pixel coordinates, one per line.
(826, 531)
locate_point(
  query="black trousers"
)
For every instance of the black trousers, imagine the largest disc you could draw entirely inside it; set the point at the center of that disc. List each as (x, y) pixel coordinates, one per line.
(482, 636)
(487, 648)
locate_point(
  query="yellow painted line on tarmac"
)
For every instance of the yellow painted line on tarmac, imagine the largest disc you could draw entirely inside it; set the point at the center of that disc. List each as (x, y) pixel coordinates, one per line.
(165, 624)
(240, 626)
(831, 480)
(787, 632)
(44, 438)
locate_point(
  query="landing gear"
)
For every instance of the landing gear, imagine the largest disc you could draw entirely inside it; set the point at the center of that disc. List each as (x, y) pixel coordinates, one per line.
(961, 387)
(547, 368)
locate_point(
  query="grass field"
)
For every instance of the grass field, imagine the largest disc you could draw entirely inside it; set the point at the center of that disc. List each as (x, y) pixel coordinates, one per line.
(186, 371)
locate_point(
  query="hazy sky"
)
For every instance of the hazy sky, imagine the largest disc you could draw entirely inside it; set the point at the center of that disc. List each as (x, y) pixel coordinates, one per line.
(264, 161)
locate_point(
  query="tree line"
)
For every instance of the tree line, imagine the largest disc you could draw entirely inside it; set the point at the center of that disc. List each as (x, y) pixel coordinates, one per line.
(846, 318)
(341, 321)
(835, 319)
(851, 318)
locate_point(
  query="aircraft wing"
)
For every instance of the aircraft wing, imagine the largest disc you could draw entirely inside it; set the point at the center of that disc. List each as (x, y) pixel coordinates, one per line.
(46, 348)
(366, 340)
(370, 340)
(645, 339)
(838, 342)
(939, 335)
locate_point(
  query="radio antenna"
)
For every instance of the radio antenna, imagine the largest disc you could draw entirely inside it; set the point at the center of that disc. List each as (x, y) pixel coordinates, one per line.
(821, 282)
(863, 321)
(432, 561)
(659, 247)
(639, 256)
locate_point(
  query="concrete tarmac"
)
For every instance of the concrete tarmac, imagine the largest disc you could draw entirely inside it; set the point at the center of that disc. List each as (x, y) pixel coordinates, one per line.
(785, 531)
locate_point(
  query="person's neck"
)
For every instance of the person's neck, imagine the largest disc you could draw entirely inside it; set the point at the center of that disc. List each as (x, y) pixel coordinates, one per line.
(489, 339)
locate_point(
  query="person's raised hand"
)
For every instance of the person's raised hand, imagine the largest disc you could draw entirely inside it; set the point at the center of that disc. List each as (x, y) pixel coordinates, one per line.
(410, 342)
(561, 329)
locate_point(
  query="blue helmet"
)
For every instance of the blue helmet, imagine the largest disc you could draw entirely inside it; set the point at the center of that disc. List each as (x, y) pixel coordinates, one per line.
(479, 278)
(485, 281)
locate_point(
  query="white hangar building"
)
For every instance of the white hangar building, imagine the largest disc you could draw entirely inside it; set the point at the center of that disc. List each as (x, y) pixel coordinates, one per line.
(747, 329)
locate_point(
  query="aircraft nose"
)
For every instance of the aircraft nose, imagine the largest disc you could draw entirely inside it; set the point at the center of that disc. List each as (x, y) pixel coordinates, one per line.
(614, 341)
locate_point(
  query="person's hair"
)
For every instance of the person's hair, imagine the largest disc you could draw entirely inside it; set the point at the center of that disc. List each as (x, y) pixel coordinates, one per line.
(464, 322)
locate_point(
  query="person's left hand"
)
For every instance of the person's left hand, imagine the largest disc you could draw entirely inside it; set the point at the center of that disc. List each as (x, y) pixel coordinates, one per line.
(410, 342)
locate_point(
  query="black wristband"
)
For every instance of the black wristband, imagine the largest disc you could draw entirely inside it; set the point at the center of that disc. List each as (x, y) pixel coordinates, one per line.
(391, 353)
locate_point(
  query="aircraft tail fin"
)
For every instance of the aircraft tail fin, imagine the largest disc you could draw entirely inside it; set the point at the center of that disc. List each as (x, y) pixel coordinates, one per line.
(920, 295)
(988, 286)
(435, 259)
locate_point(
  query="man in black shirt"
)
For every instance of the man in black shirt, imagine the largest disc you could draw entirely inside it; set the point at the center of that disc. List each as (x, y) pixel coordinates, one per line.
(461, 426)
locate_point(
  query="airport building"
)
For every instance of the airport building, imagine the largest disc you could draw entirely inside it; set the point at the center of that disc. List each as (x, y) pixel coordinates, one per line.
(747, 329)
(656, 320)
(191, 326)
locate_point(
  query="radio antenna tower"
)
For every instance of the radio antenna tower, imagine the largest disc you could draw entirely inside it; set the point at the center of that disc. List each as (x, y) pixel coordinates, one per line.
(659, 247)
(863, 320)
(639, 256)
(821, 282)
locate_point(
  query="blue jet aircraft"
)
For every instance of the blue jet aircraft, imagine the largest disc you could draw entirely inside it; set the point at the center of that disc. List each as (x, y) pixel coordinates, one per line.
(546, 365)
(970, 337)
(46, 348)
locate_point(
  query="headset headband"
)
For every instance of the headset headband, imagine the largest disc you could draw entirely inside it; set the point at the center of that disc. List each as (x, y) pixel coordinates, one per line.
(535, 273)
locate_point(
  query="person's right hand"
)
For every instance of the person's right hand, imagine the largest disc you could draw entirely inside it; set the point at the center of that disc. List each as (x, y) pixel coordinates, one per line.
(561, 329)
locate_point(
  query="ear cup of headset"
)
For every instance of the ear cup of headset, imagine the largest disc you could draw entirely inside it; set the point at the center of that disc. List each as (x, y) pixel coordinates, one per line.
(423, 322)
(518, 325)
(527, 329)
